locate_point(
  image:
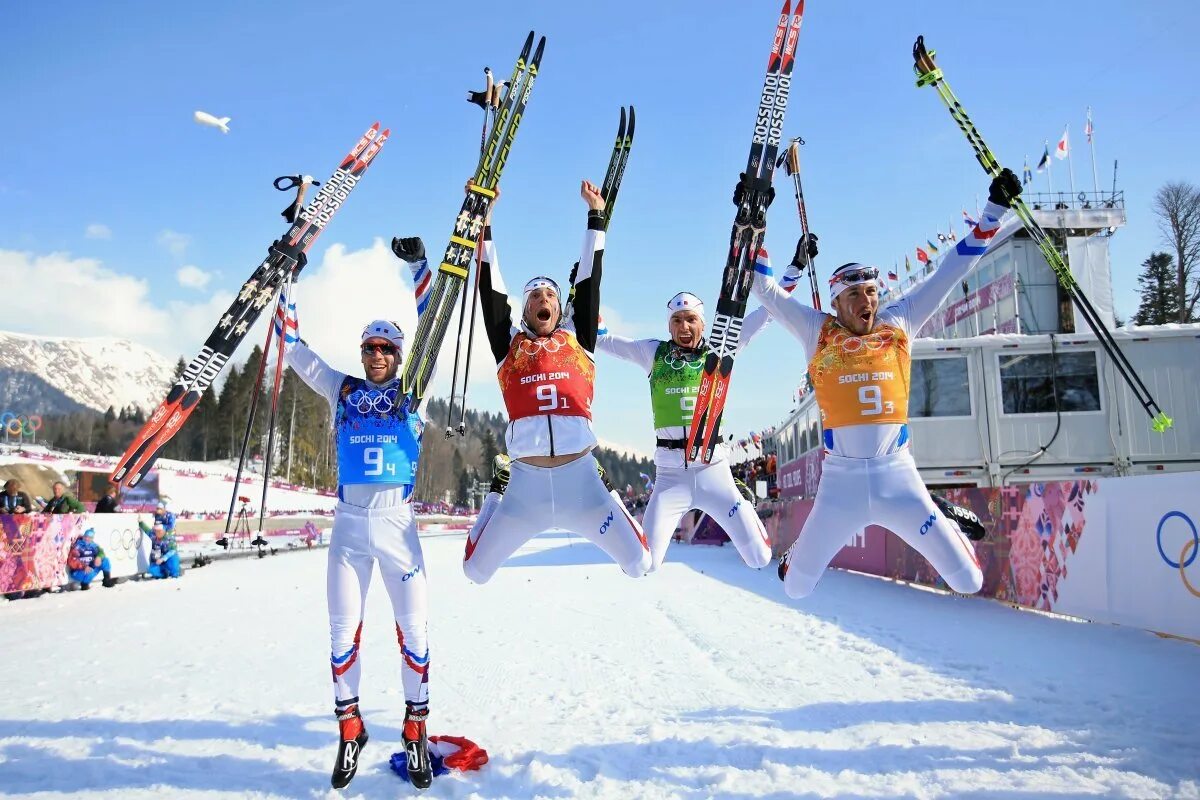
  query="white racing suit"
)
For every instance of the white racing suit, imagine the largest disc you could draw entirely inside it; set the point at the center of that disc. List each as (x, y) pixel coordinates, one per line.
(869, 476)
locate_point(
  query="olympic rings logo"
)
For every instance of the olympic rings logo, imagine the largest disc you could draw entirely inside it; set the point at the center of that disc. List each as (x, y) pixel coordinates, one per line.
(20, 424)
(681, 363)
(551, 344)
(872, 341)
(367, 401)
(1187, 556)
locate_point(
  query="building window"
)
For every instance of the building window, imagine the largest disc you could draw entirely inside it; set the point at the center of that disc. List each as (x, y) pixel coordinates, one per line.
(1030, 383)
(939, 388)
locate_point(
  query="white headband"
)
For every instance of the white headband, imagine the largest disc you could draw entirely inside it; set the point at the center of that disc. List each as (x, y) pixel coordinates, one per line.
(685, 301)
(862, 273)
(541, 282)
(383, 329)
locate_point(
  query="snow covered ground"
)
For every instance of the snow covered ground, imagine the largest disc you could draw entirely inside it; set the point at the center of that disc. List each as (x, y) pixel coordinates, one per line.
(700, 681)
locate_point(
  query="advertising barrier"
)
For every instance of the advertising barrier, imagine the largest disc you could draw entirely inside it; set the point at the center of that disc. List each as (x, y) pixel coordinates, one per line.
(1119, 550)
(34, 547)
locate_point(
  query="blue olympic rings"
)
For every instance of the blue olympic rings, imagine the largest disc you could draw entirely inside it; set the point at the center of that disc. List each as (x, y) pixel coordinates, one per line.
(1194, 547)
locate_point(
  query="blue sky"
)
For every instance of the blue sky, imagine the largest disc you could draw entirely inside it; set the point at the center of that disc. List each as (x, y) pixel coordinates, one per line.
(106, 174)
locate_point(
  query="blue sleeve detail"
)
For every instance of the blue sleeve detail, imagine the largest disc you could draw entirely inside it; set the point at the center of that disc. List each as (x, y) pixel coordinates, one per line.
(763, 268)
(965, 249)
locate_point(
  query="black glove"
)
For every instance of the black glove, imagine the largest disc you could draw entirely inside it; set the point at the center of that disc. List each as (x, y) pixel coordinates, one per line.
(807, 243)
(410, 249)
(1005, 188)
(739, 191)
(301, 263)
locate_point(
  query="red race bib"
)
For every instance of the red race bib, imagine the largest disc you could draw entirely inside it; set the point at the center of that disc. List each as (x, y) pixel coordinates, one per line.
(547, 375)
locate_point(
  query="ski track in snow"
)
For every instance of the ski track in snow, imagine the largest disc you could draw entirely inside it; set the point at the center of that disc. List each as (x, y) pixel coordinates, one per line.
(703, 680)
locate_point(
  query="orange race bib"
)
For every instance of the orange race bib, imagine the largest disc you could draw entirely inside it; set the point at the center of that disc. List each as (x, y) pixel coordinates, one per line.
(861, 380)
(547, 375)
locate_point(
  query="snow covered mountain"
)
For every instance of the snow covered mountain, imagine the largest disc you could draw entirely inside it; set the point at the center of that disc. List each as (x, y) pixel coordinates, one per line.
(49, 375)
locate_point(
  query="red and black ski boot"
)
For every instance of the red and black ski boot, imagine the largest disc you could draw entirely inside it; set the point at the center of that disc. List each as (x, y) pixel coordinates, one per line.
(353, 737)
(416, 746)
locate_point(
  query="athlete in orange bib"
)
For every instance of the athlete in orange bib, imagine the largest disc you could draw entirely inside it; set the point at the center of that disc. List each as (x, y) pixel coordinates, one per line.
(859, 367)
(546, 369)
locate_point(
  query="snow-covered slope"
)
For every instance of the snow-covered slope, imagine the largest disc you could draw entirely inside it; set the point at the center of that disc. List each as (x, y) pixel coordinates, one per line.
(700, 681)
(46, 374)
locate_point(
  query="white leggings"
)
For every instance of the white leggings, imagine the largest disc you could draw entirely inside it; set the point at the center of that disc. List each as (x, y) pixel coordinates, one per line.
(361, 537)
(570, 497)
(710, 488)
(886, 491)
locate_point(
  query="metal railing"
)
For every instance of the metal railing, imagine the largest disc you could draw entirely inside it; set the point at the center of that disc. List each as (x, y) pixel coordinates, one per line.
(1078, 200)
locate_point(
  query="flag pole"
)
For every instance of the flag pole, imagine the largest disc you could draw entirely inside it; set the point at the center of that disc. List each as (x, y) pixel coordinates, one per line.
(1070, 163)
(1049, 168)
(1092, 147)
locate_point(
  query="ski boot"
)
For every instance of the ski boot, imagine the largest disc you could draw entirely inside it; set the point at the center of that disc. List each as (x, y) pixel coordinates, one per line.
(964, 518)
(746, 492)
(501, 472)
(783, 564)
(353, 737)
(416, 746)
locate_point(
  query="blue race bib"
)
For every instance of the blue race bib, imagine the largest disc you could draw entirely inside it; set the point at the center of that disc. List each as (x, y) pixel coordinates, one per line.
(374, 444)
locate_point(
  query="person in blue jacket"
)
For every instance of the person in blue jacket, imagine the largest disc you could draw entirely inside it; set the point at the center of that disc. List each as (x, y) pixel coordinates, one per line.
(164, 556)
(167, 518)
(87, 560)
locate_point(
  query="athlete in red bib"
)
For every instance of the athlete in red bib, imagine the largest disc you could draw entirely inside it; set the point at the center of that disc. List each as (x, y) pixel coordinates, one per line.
(546, 369)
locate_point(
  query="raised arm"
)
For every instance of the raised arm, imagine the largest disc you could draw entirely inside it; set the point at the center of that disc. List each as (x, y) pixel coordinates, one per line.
(804, 322)
(312, 369)
(585, 311)
(915, 308)
(493, 299)
(637, 351)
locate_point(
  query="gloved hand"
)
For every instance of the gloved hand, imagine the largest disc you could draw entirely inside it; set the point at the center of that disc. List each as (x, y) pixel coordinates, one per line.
(806, 244)
(1005, 188)
(739, 191)
(410, 249)
(790, 278)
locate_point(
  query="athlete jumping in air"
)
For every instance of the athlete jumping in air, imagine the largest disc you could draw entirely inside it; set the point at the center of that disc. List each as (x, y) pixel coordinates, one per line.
(675, 368)
(378, 446)
(858, 362)
(545, 366)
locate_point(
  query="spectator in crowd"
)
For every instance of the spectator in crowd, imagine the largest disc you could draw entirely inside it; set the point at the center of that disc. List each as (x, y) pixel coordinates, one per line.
(110, 502)
(14, 501)
(164, 556)
(167, 518)
(62, 503)
(87, 560)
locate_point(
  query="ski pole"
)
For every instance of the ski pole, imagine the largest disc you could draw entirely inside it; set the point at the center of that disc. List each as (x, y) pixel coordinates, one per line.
(462, 420)
(258, 381)
(791, 164)
(928, 74)
(285, 296)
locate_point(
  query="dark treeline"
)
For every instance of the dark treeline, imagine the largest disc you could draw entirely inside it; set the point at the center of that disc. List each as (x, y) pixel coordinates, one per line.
(304, 452)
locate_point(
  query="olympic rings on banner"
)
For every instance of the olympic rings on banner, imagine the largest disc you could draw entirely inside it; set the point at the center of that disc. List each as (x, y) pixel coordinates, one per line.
(551, 344)
(1185, 558)
(1195, 540)
(20, 424)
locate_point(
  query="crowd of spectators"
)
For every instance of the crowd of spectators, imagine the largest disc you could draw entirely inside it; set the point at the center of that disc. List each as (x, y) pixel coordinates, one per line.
(15, 501)
(763, 468)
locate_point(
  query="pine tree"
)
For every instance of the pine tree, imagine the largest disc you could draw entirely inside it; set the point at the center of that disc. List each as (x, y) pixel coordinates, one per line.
(1160, 291)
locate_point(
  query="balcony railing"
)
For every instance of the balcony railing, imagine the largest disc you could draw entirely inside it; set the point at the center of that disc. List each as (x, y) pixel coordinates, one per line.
(1067, 201)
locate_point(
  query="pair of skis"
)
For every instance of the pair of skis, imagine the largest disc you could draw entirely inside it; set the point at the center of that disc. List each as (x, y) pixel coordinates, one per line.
(928, 74)
(752, 196)
(256, 294)
(468, 229)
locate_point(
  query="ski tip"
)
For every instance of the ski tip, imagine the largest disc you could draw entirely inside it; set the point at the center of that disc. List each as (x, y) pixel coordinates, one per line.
(787, 8)
(528, 45)
(632, 118)
(537, 54)
(799, 10)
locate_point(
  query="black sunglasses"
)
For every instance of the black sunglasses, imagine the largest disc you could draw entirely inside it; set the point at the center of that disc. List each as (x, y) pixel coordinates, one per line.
(382, 349)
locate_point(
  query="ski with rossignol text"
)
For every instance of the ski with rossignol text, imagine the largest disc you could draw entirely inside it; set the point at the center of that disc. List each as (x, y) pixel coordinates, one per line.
(468, 226)
(752, 196)
(258, 293)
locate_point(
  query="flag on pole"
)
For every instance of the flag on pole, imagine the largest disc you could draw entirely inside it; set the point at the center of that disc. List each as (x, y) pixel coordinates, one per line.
(970, 223)
(1045, 162)
(1064, 148)
(950, 235)
(932, 247)
(942, 238)
(1087, 129)
(922, 256)
(1026, 176)
(892, 276)
(907, 263)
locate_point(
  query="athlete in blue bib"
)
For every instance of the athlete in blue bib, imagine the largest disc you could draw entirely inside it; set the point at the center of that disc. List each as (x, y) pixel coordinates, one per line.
(378, 446)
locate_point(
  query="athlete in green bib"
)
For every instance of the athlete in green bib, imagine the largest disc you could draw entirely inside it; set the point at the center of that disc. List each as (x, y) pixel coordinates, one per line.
(674, 368)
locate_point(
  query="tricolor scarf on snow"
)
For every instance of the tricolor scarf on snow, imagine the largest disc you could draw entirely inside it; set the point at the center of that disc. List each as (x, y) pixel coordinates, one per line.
(446, 753)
